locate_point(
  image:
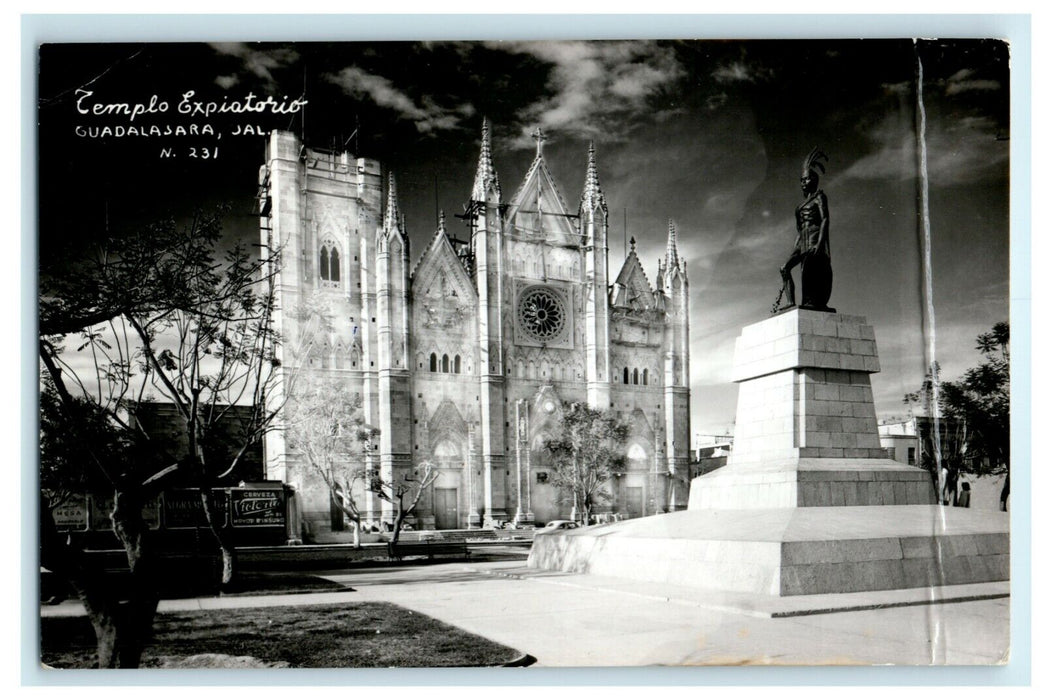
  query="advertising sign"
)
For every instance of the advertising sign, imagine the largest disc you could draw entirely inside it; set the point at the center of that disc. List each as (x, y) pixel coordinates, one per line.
(101, 508)
(183, 508)
(71, 515)
(258, 508)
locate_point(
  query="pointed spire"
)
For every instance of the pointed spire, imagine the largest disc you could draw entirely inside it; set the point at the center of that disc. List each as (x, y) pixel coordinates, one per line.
(631, 245)
(393, 219)
(592, 195)
(673, 252)
(485, 175)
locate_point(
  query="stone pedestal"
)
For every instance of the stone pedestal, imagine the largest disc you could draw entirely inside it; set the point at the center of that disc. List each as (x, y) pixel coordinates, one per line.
(806, 429)
(809, 503)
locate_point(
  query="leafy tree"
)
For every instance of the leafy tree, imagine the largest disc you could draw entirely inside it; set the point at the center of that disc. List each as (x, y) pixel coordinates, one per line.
(158, 310)
(965, 424)
(981, 400)
(587, 451)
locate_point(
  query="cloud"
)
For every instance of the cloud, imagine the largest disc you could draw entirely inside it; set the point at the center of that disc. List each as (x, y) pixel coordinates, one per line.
(967, 85)
(596, 88)
(964, 152)
(964, 81)
(427, 116)
(259, 63)
(740, 72)
(226, 81)
(901, 88)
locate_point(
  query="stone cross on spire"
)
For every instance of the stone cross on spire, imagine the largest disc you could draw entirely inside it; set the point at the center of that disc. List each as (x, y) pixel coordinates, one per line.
(673, 253)
(540, 138)
(393, 218)
(485, 175)
(592, 195)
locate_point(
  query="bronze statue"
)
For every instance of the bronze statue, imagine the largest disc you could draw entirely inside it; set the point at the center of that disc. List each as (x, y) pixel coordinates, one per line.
(812, 246)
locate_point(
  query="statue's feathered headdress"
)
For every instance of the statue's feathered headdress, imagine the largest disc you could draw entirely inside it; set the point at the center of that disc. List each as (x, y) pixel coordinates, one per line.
(814, 162)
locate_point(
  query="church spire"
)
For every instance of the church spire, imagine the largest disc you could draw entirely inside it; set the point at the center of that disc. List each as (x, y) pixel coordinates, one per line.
(485, 175)
(672, 260)
(393, 219)
(592, 196)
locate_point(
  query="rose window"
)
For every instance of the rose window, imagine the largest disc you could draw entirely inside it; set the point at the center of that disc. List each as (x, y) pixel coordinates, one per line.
(542, 315)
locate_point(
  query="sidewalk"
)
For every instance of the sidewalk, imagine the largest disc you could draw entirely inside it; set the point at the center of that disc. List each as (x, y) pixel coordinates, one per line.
(580, 620)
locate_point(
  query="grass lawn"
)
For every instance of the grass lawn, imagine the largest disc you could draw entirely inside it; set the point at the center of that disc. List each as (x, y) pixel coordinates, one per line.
(372, 635)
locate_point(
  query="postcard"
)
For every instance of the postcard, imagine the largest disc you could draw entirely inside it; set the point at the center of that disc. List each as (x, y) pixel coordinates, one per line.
(572, 353)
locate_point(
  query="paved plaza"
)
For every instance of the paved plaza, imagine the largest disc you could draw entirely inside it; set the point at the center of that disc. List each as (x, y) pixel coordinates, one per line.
(576, 620)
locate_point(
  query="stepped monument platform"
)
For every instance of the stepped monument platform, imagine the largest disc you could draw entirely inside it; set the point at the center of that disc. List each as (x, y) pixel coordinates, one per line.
(808, 502)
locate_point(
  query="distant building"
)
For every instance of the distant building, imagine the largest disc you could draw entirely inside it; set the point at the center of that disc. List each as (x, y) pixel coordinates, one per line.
(466, 352)
(166, 428)
(901, 439)
(710, 456)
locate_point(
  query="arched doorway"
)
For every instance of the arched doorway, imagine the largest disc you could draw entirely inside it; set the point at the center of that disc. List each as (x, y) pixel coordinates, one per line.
(446, 492)
(634, 496)
(544, 497)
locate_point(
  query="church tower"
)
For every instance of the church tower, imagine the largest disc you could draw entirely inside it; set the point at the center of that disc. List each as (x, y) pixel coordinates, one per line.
(484, 207)
(594, 221)
(393, 340)
(676, 364)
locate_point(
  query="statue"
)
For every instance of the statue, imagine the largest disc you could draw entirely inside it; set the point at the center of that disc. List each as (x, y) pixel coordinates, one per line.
(812, 246)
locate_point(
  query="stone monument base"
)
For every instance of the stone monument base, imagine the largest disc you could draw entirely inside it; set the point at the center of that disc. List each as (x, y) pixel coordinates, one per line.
(791, 551)
(809, 502)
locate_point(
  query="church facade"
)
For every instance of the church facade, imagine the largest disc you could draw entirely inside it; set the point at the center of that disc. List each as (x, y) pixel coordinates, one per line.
(465, 353)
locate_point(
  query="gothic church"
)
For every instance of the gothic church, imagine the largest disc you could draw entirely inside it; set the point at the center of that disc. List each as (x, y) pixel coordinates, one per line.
(465, 353)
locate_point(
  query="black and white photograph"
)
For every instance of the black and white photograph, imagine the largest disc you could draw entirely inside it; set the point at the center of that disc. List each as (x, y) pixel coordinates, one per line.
(550, 353)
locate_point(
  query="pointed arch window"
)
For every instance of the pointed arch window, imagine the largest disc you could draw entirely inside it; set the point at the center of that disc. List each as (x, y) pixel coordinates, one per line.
(446, 364)
(645, 377)
(335, 265)
(433, 363)
(625, 375)
(457, 364)
(329, 265)
(635, 376)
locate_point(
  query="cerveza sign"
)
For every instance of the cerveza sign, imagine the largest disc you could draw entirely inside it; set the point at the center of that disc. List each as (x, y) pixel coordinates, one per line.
(257, 508)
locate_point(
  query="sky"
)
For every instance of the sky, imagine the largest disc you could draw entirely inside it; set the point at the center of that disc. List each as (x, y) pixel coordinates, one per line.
(709, 134)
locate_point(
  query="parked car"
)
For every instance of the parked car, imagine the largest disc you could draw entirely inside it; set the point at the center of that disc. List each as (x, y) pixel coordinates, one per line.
(557, 525)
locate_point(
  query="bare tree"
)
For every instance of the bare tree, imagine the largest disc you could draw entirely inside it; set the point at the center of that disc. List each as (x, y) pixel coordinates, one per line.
(324, 424)
(404, 493)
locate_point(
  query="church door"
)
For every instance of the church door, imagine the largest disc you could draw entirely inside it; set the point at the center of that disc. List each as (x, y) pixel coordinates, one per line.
(445, 509)
(634, 501)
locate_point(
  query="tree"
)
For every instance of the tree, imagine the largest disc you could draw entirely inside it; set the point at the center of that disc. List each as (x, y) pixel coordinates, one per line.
(404, 493)
(162, 310)
(587, 451)
(981, 400)
(965, 424)
(325, 426)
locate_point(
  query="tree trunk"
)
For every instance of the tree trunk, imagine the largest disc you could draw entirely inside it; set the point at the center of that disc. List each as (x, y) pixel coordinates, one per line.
(355, 534)
(217, 528)
(134, 617)
(121, 628)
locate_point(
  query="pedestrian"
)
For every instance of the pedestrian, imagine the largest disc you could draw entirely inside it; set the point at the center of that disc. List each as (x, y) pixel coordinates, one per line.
(964, 496)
